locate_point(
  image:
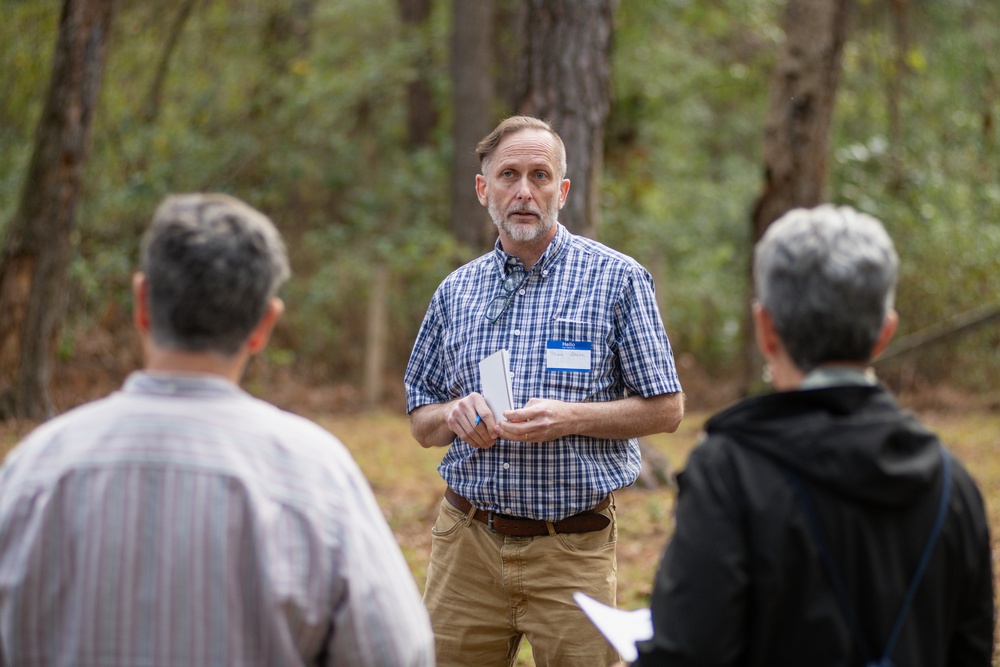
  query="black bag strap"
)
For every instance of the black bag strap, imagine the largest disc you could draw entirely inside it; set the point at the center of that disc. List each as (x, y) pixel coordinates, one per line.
(837, 582)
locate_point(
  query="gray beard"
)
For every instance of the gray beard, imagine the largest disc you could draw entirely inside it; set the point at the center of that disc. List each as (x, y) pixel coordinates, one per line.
(520, 233)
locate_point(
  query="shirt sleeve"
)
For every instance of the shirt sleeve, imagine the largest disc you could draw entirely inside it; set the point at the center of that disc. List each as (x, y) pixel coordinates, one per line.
(425, 379)
(380, 619)
(647, 360)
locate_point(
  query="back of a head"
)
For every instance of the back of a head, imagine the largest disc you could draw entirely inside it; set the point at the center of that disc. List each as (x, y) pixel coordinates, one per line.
(827, 276)
(212, 264)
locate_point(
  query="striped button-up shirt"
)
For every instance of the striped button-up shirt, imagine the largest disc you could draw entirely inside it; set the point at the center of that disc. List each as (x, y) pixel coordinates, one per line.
(581, 293)
(181, 521)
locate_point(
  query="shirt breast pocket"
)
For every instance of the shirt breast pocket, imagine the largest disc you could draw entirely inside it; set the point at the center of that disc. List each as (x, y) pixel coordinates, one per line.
(568, 376)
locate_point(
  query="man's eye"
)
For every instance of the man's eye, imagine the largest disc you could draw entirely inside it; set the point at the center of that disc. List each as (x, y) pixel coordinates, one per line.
(507, 173)
(541, 175)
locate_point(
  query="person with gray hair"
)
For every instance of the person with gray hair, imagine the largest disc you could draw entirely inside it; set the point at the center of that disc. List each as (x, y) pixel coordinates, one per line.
(821, 524)
(180, 521)
(215, 265)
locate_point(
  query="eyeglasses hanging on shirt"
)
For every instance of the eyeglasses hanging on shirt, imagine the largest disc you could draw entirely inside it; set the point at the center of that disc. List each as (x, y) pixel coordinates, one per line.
(515, 278)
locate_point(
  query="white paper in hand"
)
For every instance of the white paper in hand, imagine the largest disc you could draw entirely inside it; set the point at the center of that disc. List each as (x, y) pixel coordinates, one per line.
(621, 628)
(494, 378)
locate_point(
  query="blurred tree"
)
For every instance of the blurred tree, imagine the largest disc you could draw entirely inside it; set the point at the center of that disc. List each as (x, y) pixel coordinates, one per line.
(798, 122)
(803, 91)
(899, 10)
(420, 125)
(421, 110)
(313, 128)
(565, 77)
(151, 108)
(38, 248)
(285, 40)
(472, 115)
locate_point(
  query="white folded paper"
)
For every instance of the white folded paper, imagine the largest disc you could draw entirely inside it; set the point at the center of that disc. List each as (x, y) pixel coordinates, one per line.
(494, 377)
(621, 628)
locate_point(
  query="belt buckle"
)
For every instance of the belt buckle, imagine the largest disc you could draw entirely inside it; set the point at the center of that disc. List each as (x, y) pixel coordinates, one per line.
(489, 520)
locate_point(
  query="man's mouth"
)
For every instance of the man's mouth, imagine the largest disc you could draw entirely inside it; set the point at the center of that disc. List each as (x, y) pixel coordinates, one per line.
(524, 213)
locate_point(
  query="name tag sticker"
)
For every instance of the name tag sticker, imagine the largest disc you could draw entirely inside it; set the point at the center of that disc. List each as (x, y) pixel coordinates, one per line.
(567, 355)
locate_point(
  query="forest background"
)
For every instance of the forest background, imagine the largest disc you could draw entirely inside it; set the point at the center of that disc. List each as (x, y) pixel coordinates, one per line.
(303, 108)
(338, 119)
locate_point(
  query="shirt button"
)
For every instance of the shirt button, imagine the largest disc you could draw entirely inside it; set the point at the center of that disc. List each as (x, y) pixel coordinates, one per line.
(507, 510)
(521, 292)
(506, 466)
(517, 332)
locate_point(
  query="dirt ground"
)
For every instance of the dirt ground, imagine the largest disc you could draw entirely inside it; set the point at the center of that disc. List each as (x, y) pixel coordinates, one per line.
(411, 507)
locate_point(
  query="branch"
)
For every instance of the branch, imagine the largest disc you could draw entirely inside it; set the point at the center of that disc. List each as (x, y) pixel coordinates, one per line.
(953, 327)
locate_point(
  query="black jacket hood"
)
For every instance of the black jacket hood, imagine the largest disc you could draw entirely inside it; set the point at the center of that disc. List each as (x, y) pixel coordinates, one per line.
(853, 440)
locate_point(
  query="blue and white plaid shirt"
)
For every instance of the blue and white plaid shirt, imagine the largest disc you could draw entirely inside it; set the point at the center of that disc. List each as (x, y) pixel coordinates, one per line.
(578, 291)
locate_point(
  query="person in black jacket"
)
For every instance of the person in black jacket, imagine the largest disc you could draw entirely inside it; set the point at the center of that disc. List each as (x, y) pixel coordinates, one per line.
(804, 515)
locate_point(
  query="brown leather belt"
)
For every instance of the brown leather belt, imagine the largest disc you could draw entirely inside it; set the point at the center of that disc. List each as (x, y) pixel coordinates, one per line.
(584, 522)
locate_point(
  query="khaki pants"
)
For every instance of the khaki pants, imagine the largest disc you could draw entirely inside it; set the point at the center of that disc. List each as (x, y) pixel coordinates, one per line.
(485, 591)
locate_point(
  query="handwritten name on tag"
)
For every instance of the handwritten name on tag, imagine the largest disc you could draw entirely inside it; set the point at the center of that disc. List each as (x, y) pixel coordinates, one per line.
(567, 355)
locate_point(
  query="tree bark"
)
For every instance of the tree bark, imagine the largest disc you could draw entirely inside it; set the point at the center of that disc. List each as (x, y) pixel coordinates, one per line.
(797, 127)
(897, 80)
(377, 340)
(566, 79)
(38, 248)
(421, 112)
(473, 116)
(803, 91)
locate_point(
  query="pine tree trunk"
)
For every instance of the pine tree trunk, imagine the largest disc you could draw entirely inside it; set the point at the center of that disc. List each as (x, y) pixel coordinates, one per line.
(566, 79)
(473, 116)
(38, 248)
(797, 127)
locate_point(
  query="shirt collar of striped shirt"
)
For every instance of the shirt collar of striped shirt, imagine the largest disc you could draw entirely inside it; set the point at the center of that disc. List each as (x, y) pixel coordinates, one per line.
(557, 248)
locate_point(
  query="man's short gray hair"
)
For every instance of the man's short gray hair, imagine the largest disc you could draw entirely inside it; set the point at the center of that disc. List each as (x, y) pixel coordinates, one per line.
(487, 146)
(212, 265)
(827, 276)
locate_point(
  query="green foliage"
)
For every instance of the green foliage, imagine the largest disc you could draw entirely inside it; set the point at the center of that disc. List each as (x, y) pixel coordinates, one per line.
(936, 186)
(27, 36)
(309, 124)
(682, 163)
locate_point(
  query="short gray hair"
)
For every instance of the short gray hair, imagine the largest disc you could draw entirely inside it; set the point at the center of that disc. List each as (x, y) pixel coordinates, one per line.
(827, 276)
(212, 265)
(487, 146)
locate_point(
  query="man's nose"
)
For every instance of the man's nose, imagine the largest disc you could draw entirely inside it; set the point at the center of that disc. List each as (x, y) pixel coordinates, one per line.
(523, 188)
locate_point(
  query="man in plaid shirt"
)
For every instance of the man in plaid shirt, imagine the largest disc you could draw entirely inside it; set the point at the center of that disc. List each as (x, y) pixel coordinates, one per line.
(529, 516)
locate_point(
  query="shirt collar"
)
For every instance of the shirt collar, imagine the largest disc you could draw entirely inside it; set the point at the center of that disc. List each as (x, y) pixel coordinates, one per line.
(820, 378)
(557, 248)
(179, 384)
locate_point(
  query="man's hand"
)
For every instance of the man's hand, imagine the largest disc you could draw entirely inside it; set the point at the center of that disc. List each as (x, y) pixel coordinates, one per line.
(471, 419)
(542, 420)
(437, 424)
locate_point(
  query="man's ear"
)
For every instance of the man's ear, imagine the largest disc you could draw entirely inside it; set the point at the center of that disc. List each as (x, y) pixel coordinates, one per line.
(886, 333)
(140, 302)
(563, 191)
(262, 332)
(481, 190)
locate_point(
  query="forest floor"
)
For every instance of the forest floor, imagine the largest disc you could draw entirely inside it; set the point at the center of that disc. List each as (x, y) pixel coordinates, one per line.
(405, 481)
